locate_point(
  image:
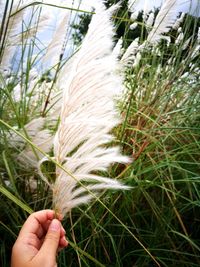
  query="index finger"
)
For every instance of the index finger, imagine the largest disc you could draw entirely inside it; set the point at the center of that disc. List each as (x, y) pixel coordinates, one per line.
(35, 221)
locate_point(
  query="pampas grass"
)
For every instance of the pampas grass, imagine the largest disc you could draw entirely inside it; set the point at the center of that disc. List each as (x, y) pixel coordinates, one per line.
(164, 20)
(21, 27)
(54, 49)
(87, 116)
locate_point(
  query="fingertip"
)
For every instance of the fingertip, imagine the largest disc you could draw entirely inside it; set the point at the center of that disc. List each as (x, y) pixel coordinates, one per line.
(63, 242)
(63, 232)
(55, 225)
(59, 216)
(43, 215)
(50, 214)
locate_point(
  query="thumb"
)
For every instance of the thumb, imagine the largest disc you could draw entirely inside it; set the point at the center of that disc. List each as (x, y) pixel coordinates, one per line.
(51, 242)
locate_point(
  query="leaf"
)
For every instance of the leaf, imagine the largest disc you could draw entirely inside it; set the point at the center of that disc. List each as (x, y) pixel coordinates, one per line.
(9, 195)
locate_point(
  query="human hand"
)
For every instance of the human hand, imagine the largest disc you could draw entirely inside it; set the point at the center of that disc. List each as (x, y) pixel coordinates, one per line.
(39, 240)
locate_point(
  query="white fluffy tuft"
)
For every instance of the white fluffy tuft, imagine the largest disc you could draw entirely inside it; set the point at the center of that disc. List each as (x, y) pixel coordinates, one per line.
(165, 20)
(87, 116)
(54, 49)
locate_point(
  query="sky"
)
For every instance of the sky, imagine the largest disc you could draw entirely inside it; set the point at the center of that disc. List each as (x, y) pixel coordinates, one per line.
(187, 6)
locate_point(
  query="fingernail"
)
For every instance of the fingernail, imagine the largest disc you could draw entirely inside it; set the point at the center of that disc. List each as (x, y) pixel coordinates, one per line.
(65, 240)
(63, 230)
(54, 226)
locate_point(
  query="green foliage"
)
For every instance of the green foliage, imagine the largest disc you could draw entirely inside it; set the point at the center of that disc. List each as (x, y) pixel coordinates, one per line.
(156, 223)
(80, 29)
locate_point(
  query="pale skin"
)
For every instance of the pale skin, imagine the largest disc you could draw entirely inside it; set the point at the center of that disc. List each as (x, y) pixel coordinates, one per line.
(39, 240)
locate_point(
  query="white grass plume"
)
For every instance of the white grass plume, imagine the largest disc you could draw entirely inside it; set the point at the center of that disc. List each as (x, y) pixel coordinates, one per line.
(13, 23)
(29, 157)
(178, 21)
(165, 20)
(130, 53)
(20, 19)
(88, 115)
(54, 49)
(39, 136)
(117, 50)
(136, 6)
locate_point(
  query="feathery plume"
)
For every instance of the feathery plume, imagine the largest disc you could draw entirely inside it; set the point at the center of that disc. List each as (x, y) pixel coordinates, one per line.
(133, 26)
(136, 6)
(87, 116)
(14, 23)
(54, 49)
(14, 35)
(29, 157)
(130, 54)
(117, 50)
(178, 21)
(165, 20)
(40, 137)
(150, 20)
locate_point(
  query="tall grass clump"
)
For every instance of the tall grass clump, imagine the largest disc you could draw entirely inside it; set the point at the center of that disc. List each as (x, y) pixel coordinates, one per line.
(156, 221)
